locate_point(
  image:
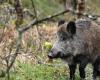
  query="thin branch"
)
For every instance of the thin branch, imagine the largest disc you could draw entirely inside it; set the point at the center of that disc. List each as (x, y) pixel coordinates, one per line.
(35, 22)
(37, 28)
(33, 5)
(16, 52)
(19, 21)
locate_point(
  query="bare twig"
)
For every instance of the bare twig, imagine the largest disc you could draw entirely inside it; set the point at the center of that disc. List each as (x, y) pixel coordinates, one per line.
(11, 58)
(35, 22)
(37, 28)
(16, 52)
(19, 21)
(35, 12)
(8, 60)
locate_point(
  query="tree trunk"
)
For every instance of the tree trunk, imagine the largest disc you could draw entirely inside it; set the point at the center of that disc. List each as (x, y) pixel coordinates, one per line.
(78, 5)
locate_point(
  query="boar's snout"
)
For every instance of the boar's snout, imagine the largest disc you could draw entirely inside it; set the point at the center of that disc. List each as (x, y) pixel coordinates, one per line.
(50, 56)
(54, 54)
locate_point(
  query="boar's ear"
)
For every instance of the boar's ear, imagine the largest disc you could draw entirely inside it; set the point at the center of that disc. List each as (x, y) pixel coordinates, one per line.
(71, 27)
(61, 22)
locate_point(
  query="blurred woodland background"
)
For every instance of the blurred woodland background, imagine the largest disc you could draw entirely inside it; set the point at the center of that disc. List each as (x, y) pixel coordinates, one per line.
(27, 32)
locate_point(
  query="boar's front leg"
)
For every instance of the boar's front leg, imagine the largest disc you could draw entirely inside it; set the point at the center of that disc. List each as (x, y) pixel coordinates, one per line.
(72, 68)
(96, 68)
(82, 67)
(82, 71)
(82, 60)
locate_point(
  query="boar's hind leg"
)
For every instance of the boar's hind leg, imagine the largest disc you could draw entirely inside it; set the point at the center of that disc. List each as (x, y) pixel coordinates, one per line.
(96, 68)
(72, 68)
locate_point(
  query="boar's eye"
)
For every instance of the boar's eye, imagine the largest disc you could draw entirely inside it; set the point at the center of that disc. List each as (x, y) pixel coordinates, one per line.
(63, 38)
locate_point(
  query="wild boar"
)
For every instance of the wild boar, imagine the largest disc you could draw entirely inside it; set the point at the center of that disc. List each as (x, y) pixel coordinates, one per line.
(78, 43)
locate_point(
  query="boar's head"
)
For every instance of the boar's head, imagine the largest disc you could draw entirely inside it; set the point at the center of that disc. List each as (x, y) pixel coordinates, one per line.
(67, 43)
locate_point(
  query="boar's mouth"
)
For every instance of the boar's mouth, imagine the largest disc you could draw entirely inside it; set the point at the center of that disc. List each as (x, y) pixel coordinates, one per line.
(60, 55)
(52, 56)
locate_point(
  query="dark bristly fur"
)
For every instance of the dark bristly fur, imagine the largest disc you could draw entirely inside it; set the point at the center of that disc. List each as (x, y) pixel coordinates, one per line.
(78, 44)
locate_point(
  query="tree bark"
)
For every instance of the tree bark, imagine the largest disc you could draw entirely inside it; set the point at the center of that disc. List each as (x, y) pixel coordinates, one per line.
(75, 5)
